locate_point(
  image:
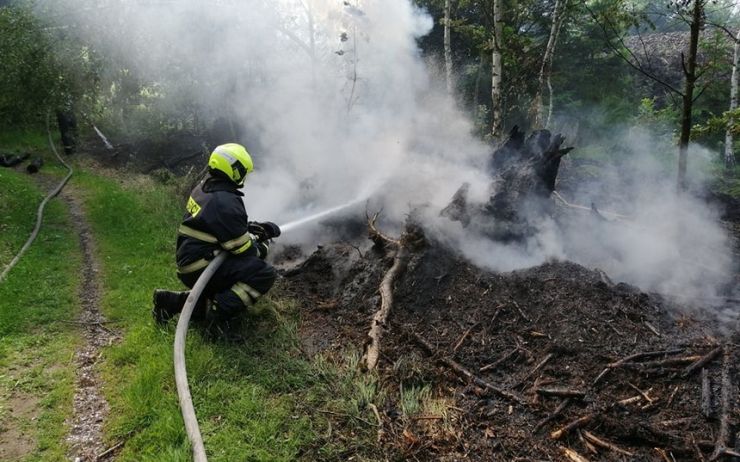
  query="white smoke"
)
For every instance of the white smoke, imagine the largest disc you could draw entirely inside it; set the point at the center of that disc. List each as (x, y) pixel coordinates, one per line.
(340, 106)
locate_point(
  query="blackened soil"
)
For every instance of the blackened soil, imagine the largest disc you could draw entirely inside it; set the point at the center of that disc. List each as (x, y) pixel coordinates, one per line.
(557, 325)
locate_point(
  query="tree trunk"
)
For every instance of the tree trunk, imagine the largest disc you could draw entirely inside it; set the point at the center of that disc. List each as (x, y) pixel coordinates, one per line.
(476, 91)
(688, 93)
(558, 13)
(448, 47)
(729, 153)
(497, 72)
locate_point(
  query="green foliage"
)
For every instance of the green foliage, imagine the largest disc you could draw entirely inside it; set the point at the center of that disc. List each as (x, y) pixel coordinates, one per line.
(661, 120)
(28, 70)
(37, 299)
(42, 68)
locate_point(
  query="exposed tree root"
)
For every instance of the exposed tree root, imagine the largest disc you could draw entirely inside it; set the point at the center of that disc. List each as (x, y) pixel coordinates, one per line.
(400, 260)
(377, 325)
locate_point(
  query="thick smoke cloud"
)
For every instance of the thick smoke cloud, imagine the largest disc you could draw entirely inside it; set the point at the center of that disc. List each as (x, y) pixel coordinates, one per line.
(339, 107)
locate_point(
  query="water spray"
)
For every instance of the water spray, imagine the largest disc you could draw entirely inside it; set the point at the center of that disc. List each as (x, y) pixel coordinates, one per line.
(302, 221)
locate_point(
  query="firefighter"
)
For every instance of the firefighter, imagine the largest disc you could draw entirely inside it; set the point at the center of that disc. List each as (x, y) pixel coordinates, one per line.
(216, 220)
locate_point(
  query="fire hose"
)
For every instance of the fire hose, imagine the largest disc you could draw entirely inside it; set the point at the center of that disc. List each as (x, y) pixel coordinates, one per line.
(181, 375)
(40, 211)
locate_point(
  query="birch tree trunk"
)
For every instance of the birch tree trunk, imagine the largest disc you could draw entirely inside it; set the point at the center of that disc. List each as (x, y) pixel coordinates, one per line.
(729, 153)
(543, 80)
(688, 93)
(448, 46)
(497, 72)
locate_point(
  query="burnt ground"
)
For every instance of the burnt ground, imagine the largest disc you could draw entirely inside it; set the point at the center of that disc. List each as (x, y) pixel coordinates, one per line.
(554, 326)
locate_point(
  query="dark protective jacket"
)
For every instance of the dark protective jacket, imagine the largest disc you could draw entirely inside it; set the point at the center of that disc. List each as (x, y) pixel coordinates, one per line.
(215, 219)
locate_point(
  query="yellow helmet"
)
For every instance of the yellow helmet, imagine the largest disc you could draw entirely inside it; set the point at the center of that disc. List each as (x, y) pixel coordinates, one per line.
(232, 160)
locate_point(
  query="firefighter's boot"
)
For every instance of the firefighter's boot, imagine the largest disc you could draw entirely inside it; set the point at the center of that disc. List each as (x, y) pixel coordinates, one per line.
(167, 304)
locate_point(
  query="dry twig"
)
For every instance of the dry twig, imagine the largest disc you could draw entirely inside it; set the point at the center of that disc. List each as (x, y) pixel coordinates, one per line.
(464, 336)
(699, 454)
(578, 423)
(706, 393)
(606, 444)
(632, 358)
(564, 392)
(572, 455)
(108, 451)
(701, 362)
(723, 435)
(499, 361)
(462, 371)
(539, 366)
(552, 416)
(660, 363)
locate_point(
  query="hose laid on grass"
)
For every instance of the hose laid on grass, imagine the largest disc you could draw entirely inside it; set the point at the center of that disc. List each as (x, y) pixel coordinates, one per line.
(40, 211)
(181, 375)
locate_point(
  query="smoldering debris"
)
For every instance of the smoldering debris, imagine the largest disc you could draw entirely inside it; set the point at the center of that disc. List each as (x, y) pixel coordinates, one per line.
(525, 363)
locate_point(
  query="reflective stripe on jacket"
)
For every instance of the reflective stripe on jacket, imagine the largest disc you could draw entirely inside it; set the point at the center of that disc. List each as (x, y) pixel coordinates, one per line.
(214, 219)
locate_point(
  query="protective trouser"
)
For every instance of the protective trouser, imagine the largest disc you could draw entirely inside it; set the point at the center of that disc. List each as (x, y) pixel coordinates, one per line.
(236, 286)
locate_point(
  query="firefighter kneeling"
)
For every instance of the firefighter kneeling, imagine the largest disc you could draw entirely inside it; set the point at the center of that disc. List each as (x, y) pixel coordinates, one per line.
(216, 220)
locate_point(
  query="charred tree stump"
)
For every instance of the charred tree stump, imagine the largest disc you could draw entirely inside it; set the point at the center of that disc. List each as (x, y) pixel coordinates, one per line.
(524, 172)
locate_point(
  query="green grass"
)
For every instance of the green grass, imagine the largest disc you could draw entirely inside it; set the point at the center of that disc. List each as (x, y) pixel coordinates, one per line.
(257, 401)
(39, 294)
(22, 140)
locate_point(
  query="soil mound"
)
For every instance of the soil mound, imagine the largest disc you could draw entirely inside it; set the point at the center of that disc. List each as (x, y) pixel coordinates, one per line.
(545, 346)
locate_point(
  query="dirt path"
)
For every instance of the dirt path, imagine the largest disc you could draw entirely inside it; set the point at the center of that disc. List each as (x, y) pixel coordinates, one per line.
(90, 407)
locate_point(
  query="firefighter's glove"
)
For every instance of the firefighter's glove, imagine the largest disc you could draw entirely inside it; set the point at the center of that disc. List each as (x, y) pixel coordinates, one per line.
(263, 249)
(264, 231)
